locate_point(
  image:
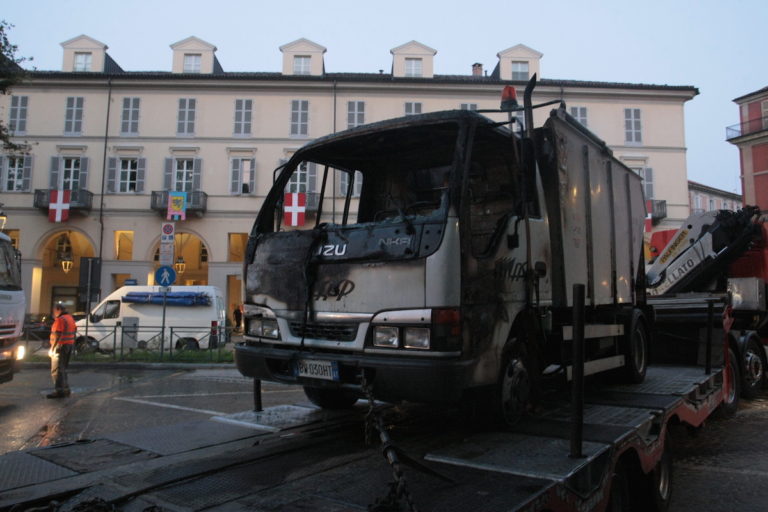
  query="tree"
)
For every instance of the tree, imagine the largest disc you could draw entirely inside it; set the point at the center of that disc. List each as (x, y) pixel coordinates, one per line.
(11, 73)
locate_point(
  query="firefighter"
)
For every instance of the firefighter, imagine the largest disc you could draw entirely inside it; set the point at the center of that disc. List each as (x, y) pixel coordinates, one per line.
(62, 344)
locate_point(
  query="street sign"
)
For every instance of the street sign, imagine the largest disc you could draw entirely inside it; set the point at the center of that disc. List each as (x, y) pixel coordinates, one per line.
(130, 282)
(165, 276)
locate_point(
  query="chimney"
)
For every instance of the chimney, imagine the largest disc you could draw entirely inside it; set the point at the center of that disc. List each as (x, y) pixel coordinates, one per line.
(477, 69)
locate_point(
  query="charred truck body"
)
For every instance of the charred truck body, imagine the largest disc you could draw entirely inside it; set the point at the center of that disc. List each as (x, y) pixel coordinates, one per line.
(448, 263)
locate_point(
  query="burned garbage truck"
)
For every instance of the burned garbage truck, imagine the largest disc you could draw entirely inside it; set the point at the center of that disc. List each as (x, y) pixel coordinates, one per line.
(441, 262)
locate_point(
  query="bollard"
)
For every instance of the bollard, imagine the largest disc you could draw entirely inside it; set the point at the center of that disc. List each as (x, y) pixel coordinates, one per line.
(257, 395)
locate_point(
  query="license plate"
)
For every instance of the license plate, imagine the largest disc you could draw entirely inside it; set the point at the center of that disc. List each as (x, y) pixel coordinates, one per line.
(314, 369)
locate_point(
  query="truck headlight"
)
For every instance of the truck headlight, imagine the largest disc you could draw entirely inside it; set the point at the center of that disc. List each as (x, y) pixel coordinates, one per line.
(21, 351)
(385, 336)
(417, 337)
(263, 327)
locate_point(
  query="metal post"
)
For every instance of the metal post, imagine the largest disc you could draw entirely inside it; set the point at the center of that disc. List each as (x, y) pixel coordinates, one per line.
(708, 353)
(162, 329)
(577, 381)
(257, 395)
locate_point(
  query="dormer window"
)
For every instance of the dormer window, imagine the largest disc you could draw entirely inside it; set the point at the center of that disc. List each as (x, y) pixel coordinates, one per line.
(83, 61)
(520, 70)
(192, 62)
(301, 64)
(413, 67)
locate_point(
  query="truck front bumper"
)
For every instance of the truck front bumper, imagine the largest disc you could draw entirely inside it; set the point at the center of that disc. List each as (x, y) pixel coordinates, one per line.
(397, 377)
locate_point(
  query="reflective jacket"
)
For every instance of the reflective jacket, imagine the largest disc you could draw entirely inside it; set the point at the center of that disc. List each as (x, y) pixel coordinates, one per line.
(64, 325)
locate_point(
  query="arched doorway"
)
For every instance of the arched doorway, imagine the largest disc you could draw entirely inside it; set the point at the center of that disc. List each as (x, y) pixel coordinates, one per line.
(191, 259)
(62, 263)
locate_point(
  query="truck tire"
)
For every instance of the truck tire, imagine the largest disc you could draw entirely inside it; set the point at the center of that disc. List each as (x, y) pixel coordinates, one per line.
(753, 375)
(660, 482)
(329, 398)
(514, 394)
(635, 349)
(85, 345)
(730, 403)
(619, 499)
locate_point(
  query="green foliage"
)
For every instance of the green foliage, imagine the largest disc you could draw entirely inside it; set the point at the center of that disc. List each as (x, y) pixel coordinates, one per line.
(11, 73)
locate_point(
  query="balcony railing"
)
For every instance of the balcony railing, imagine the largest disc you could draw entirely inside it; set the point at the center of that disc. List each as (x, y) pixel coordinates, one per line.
(746, 128)
(197, 202)
(658, 209)
(79, 200)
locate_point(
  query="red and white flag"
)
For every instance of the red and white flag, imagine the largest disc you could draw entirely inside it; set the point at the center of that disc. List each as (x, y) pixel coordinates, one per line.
(648, 216)
(294, 206)
(58, 205)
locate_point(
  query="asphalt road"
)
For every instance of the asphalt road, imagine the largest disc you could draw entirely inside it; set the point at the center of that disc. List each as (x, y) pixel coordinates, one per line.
(723, 467)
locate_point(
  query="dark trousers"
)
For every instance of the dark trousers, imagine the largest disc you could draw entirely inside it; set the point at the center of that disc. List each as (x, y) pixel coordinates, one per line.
(59, 365)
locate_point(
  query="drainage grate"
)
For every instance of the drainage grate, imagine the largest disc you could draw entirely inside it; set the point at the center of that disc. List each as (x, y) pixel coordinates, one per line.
(18, 469)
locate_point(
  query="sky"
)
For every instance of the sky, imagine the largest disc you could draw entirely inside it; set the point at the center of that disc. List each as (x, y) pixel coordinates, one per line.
(716, 46)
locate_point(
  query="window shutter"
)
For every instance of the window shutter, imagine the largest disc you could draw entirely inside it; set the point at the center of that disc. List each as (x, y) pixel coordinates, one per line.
(311, 178)
(140, 172)
(234, 179)
(252, 178)
(111, 173)
(197, 170)
(54, 183)
(648, 183)
(83, 185)
(26, 180)
(168, 174)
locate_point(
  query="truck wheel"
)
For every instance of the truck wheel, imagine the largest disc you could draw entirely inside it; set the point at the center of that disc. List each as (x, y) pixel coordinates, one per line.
(635, 349)
(753, 377)
(514, 394)
(328, 398)
(732, 374)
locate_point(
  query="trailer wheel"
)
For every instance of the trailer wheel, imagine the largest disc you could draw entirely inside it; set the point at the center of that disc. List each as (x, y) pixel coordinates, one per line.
(732, 374)
(619, 499)
(635, 349)
(753, 378)
(329, 398)
(660, 482)
(515, 386)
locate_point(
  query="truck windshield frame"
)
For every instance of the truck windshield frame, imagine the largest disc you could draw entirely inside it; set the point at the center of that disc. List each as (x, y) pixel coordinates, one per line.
(10, 274)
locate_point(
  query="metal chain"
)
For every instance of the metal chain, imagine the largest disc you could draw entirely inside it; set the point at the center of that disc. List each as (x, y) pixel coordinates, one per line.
(398, 490)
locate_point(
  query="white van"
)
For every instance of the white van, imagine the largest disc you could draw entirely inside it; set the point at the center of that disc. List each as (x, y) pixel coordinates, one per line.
(132, 317)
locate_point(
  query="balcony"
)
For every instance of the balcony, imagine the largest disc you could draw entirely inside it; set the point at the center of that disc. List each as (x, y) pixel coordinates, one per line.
(79, 200)
(197, 202)
(746, 128)
(658, 210)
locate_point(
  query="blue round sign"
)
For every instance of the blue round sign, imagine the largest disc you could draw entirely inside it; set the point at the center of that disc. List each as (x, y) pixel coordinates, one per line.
(165, 276)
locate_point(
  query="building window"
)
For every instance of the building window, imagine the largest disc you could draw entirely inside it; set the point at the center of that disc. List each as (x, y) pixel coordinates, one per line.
(580, 114)
(16, 173)
(242, 176)
(302, 179)
(243, 110)
(646, 173)
(192, 62)
(183, 176)
(130, 121)
(186, 122)
(299, 117)
(14, 235)
(632, 126)
(70, 174)
(413, 67)
(468, 106)
(17, 118)
(725, 205)
(83, 61)
(344, 183)
(237, 245)
(412, 108)
(301, 64)
(764, 108)
(519, 70)
(128, 177)
(73, 119)
(711, 204)
(124, 245)
(697, 202)
(355, 113)
(203, 254)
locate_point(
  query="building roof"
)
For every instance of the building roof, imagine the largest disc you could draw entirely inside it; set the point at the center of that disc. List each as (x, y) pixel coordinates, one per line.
(352, 77)
(759, 92)
(692, 185)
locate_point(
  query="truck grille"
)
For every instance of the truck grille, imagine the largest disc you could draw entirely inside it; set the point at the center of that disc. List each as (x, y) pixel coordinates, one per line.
(325, 331)
(7, 329)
